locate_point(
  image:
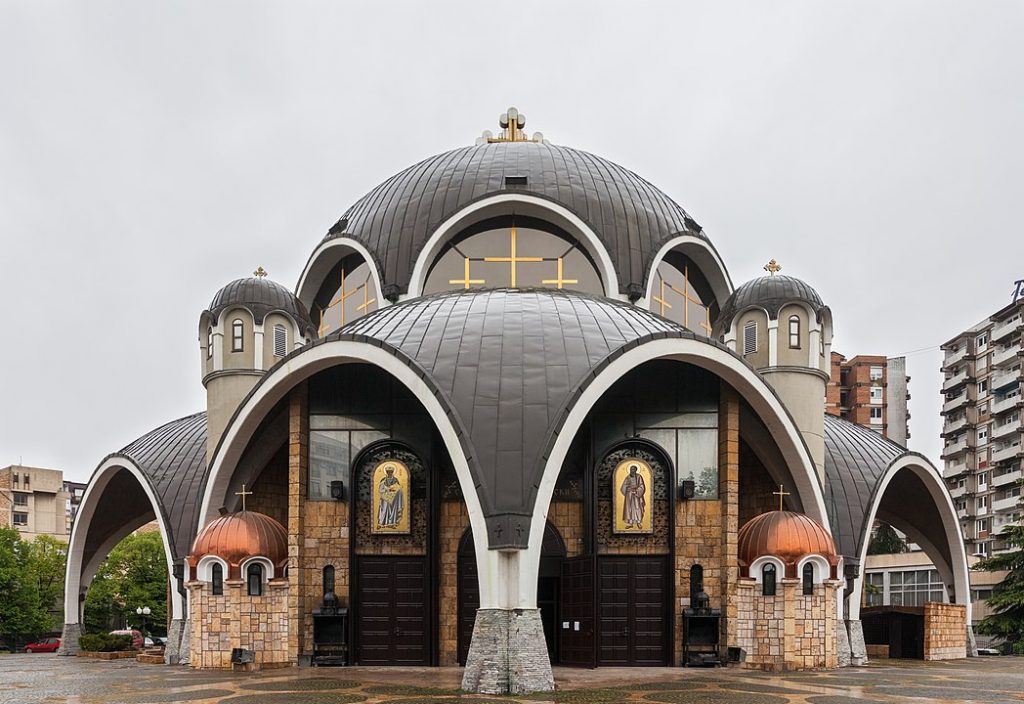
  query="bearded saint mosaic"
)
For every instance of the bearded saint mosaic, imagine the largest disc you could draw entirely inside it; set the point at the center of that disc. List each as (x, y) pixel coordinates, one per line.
(631, 481)
(390, 514)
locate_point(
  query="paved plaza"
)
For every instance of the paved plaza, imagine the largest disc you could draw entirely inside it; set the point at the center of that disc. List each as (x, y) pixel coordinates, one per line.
(49, 679)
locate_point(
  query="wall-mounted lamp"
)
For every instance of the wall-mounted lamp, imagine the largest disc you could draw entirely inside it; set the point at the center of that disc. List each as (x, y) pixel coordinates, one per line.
(687, 489)
(338, 490)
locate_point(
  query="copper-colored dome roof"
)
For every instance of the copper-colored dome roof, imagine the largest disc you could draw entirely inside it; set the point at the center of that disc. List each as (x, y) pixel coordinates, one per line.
(786, 535)
(236, 537)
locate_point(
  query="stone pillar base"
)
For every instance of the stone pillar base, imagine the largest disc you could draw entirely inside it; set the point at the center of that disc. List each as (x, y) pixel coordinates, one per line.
(858, 651)
(173, 649)
(843, 653)
(972, 643)
(508, 654)
(184, 647)
(69, 639)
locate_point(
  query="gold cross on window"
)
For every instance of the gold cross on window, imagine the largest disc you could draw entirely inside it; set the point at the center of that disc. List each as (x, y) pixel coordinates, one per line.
(367, 301)
(343, 296)
(688, 299)
(560, 280)
(465, 280)
(513, 260)
(660, 298)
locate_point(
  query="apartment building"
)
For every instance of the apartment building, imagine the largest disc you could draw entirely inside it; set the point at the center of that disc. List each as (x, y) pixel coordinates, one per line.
(75, 492)
(871, 390)
(34, 501)
(982, 407)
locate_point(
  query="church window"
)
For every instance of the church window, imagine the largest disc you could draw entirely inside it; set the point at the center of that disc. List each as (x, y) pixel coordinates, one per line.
(280, 341)
(348, 292)
(216, 579)
(507, 252)
(209, 342)
(328, 579)
(794, 332)
(768, 580)
(750, 337)
(681, 293)
(696, 580)
(808, 579)
(237, 328)
(254, 579)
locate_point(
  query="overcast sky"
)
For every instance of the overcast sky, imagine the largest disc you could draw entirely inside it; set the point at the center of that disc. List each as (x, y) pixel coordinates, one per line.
(151, 152)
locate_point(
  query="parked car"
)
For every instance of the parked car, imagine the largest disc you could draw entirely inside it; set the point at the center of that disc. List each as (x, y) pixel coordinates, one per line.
(988, 651)
(137, 640)
(43, 645)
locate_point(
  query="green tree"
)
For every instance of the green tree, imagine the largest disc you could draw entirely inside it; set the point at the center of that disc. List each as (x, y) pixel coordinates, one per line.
(22, 615)
(1007, 600)
(47, 559)
(134, 575)
(886, 541)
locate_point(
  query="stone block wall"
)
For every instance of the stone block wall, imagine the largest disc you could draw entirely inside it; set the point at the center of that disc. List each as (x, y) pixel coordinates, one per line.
(788, 631)
(567, 517)
(237, 620)
(945, 631)
(324, 542)
(454, 522)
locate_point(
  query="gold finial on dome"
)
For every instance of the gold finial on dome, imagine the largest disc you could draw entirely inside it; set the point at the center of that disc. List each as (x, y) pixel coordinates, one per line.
(781, 493)
(243, 493)
(512, 123)
(773, 267)
(260, 273)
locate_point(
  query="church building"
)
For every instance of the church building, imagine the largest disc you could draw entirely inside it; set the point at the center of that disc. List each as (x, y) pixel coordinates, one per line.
(515, 414)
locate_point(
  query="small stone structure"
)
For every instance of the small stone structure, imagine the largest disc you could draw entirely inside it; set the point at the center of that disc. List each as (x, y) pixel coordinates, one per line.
(945, 631)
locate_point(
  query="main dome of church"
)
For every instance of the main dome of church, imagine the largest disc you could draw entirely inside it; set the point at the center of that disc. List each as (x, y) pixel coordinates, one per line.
(632, 218)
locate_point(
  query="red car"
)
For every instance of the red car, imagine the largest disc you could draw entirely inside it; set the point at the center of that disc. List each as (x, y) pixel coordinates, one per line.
(46, 645)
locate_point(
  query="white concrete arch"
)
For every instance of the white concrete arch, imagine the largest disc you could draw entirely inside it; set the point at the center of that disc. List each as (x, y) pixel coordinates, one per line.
(324, 257)
(205, 565)
(822, 570)
(268, 567)
(752, 387)
(79, 533)
(492, 565)
(704, 255)
(518, 204)
(932, 480)
(756, 569)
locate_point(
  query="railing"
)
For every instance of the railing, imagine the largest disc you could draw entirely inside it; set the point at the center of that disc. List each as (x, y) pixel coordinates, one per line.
(957, 492)
(1006, 504)
(950, 359)
(954, 381)
(1005, 379)
(954, 447)
(1007, 478)
(955, 402)
(1007, 404)
(951, 426)
(1005, 453)
(999, 430)
(952, 469)
(1001, 357)
(1003, 329)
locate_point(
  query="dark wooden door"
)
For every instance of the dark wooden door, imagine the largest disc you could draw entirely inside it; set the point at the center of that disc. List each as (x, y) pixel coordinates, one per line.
(392, 616)
(633, 620)
(576, 612)
(469, 598)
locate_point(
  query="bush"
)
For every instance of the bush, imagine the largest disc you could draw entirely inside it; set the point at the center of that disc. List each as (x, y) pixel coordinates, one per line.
(104, 643)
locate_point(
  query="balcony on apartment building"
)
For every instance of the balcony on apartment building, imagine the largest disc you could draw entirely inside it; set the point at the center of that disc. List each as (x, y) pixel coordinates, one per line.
(957, 491)
(955, 468)
(1007, 478)
(1004, 380)
(1005, 356)
(1007, 403)
(953, 426)
(1006, 504)
(1002, 521)
(1001, 430)
(953, 358)
(1002, 453)
(952, 404)
(954, 381)
(1005, 328)
(961, 444)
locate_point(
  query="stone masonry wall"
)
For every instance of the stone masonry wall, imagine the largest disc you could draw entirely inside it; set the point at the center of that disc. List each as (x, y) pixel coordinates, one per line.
(324, 542)
(237, 620)
(454, 522)
(788, 631)
(945, 631)
(567, 517)
(6, 500)
(298, 464)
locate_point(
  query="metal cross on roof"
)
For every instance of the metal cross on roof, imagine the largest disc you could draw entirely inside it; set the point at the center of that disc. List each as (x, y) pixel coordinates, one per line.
(773, 267)
(513, 122)
(781, 493)
(243, 493)
(260, 273)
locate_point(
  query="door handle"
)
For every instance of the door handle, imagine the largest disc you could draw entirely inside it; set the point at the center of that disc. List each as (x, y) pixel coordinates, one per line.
(398, 632)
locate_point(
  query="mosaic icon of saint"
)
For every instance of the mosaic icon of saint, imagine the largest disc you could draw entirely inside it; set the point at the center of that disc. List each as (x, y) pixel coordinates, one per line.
(633, 489)
(392, 499)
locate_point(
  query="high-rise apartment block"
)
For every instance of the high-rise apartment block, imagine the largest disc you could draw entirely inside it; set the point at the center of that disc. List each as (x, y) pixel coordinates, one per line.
(982, 426)
(34, 501)
(871, 390)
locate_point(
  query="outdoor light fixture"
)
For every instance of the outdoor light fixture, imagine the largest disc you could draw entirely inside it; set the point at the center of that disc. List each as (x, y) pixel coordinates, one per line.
(688, 489)
(338, 489)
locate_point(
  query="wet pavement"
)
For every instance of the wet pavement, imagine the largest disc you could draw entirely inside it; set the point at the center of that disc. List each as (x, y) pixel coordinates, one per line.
(50, 679)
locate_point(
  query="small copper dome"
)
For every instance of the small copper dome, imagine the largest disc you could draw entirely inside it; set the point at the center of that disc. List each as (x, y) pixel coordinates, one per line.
(235, 537)
(787, 535)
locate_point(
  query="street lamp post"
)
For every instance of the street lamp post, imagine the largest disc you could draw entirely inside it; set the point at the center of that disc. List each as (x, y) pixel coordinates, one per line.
(143, 611)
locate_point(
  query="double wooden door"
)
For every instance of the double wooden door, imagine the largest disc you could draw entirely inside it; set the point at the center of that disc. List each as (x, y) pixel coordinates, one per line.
(615, 611)
(392, 617)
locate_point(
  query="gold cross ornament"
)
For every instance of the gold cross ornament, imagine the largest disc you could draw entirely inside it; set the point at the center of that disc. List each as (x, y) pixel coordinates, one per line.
(260, 273)
(560, 280)
(366, 297)
(243, 493)
(465, 280)
(513, 259)
(664, 304)
(773, 267)
(781, 493)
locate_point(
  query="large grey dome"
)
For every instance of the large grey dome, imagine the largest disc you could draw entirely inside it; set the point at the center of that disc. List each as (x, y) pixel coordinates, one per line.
(261, 296)
(632, 218)
(770, 293)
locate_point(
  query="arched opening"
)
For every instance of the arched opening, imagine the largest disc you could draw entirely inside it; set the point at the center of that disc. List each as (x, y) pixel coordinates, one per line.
(254, 579)
(768, 575)
(807, 579)
(553, 553)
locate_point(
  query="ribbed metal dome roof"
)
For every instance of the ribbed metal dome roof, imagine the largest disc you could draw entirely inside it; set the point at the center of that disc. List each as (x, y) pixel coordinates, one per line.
(787, 535)
(261, 296)
(236, 537)
(630, 216)
(770, 293)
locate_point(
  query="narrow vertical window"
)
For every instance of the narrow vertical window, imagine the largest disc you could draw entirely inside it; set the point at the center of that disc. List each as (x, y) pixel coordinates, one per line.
(209, 342)
(794, 332)
(328, 580)
(216, 579)
(696, 580)
(808, 578)
(236, 336)
(254, 579)
(280, 341)
(750, 338)
(768, 580)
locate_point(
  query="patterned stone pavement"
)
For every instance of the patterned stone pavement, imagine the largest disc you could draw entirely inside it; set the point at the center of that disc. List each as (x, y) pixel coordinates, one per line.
(49, 679)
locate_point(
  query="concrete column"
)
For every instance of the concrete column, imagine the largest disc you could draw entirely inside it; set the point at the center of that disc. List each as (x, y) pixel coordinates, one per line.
(69, 639)
(172, 653)
(298, 459)
(185, 646)
(972, 643)
(843, 653)
(508, 653)
(858, 651)
(728, 495)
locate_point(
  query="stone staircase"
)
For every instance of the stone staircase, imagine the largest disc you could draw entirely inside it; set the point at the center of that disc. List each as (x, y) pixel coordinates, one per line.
(151, 656)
